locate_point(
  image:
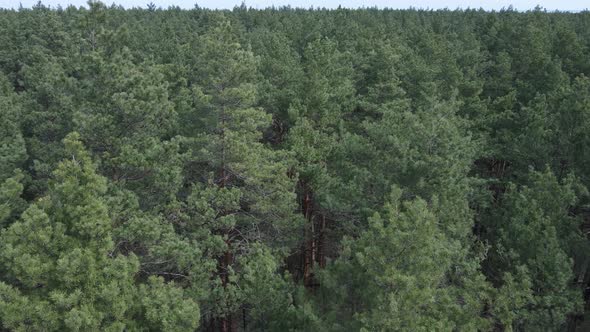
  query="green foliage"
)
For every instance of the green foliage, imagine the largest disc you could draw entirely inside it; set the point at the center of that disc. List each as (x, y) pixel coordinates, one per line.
(64, 274)
(13, 151)
(233, 170)
(11, 202)
(165, 309)
(540, 241)
(393, 276)
(126, 118)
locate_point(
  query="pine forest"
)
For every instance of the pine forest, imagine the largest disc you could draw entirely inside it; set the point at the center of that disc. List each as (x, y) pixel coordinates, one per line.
(288, 169)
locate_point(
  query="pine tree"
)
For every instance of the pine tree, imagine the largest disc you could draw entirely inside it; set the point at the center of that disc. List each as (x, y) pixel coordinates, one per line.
(13, 153)
(64, 276)
(243, 201)
(393, 277)
(325, 100)
(126, 119)
(538, 239)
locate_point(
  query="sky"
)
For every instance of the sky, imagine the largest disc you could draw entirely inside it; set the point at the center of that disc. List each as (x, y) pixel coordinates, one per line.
(563, 5)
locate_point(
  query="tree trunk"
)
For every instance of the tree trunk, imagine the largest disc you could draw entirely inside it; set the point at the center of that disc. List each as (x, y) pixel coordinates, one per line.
(321, 243)
(227, 323)
(308, 250)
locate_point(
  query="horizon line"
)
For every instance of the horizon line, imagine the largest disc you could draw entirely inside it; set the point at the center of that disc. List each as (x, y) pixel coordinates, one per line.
(244, 5)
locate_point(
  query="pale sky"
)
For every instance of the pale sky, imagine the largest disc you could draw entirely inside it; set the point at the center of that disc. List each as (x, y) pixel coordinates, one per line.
(564, 5)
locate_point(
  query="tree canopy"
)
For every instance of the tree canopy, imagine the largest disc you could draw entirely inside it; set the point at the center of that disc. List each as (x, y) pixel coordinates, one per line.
(290, 169)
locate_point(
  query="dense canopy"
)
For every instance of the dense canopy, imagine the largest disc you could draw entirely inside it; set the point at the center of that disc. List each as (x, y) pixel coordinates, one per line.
(293, 170)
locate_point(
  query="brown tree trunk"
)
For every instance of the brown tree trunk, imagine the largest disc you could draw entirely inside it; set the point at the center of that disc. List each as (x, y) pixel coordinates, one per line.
(321, 245)
(227, 323)
(223, 325)
(308, 250)
(313, 239)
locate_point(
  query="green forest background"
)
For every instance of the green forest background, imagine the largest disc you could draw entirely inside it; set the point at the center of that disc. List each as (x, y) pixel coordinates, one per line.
(293, 170)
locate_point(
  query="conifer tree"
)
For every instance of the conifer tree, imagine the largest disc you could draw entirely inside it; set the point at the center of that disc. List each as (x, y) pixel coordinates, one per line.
(13, 153)
(318, 116)
(64, 275)
(538, 238)
(242, 202)
(393, 276)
